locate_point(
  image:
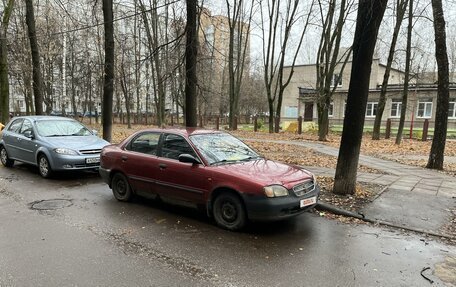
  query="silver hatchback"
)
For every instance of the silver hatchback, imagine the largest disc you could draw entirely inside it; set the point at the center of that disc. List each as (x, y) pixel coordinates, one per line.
(51, 143)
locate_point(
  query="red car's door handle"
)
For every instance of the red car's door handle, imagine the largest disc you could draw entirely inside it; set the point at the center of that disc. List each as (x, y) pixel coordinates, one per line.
(162, 166)
(124, 158)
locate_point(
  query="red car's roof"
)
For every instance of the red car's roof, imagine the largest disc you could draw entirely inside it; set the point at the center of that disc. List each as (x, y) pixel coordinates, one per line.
(183, 131)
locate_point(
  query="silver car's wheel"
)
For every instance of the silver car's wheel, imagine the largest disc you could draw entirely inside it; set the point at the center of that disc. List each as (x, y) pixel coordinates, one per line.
(44, 166)
(6, 161)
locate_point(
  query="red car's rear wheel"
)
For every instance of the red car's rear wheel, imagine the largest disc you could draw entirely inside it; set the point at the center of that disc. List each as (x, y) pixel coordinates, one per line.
(121, 188)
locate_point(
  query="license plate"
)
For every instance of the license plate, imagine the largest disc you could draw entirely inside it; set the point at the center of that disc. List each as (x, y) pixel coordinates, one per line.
(93, 160)
(308, 201)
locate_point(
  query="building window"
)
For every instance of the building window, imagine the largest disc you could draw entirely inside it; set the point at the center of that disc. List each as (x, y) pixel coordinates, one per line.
(452, 110)
(396, 106)
(424, 108)
(20, 103)
(336, 80)
(291, 112)
(371, 110)
(331, 109)
(209, 34)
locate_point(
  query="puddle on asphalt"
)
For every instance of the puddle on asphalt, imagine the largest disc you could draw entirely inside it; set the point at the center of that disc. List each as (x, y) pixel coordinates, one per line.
(51, 204)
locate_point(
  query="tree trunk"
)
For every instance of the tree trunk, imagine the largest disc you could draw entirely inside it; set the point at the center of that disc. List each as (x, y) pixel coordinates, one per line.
(323, 118)
(436, 155)
(191, 53)
(109, 70)
(408, 56)
(271, 114)
(401, 6)
(37, 80)
(370, 14)
(4, 84)
(137, 40)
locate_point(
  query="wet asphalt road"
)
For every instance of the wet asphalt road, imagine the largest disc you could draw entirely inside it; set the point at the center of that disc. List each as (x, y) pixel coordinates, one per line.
(93, 240)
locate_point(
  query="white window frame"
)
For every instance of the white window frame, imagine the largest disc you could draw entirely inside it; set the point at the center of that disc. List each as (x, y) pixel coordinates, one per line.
(398, 109)
(331, 110)
(452, 116)
(425, 103)
(336, 78)
(20, 103)
(374, 109)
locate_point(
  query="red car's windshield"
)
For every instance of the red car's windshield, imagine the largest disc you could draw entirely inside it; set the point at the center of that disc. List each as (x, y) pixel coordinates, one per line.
(222, 148)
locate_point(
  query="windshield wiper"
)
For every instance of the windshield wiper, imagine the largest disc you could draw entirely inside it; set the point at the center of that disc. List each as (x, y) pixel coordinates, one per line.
(224, 161)
(236, 160)
(56, 135)
(251, 158)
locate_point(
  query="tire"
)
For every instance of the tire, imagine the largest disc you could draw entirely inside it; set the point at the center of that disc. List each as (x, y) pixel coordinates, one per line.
(44, 167)
(229, 212)
(6, 161)
(121, 188)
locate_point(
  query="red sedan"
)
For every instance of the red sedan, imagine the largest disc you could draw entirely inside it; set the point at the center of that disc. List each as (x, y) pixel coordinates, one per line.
(211, 169)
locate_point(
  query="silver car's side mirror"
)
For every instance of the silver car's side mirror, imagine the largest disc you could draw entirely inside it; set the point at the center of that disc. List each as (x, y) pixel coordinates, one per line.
(29, 134)
(95, 132)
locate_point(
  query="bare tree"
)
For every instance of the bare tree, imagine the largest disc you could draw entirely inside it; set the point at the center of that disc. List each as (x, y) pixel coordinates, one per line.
(156, 58)
(401, 7)
(408, 56)
(436, 154)
(328, 59)
(274, 61)
(37, 79)
(238, 50)
(370, 14)
(109, 69)
(125, 84)
(21, 68)
(137, 49)
(4, 84)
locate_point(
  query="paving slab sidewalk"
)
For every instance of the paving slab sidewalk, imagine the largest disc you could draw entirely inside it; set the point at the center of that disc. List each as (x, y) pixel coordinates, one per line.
(416, 198)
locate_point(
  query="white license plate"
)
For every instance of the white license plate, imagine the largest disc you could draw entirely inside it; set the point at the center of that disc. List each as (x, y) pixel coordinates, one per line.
(93, 160)
(308, 201)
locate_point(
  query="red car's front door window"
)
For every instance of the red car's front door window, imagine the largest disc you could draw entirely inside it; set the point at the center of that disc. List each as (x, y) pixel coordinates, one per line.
(180, 180)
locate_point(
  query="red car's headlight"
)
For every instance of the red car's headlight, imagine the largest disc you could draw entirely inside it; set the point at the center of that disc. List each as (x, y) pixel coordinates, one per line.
(275, 191)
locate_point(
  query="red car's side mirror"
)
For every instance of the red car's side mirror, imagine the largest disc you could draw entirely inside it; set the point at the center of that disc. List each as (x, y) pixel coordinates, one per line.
(187, 158)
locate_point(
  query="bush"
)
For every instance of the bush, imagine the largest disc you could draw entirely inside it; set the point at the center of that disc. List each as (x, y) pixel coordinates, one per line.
(418, 135)
(259, 124)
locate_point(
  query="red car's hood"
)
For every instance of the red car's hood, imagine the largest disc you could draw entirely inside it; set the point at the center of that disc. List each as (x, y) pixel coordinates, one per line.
(267, 172)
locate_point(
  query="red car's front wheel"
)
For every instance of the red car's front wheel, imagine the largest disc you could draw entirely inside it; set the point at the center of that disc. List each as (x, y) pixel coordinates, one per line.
(229, 212)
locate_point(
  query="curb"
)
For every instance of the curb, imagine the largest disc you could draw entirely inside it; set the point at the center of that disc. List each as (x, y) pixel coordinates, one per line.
(323, 206)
